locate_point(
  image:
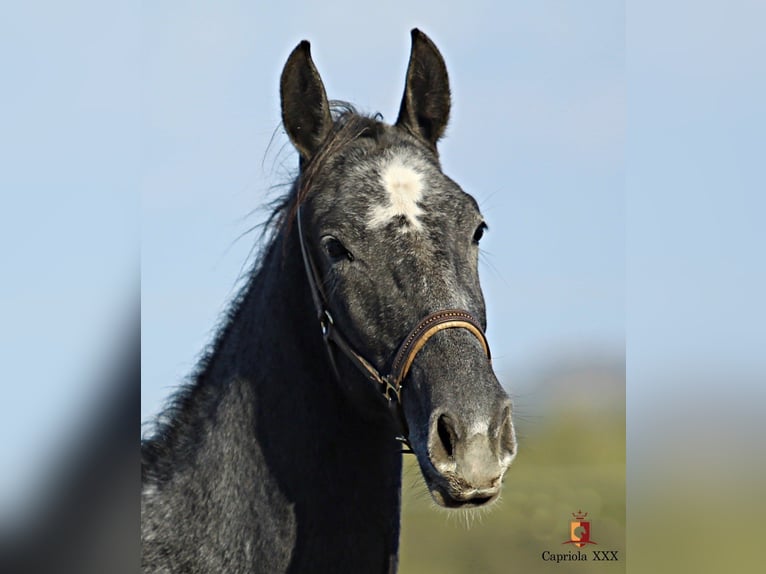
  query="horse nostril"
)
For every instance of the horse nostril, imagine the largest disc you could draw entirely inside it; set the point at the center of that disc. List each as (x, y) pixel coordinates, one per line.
(446, 435)
(442, 442)
(506, 433)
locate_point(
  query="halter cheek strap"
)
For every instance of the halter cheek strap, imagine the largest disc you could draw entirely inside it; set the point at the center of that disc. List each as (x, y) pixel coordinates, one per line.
(389, 384)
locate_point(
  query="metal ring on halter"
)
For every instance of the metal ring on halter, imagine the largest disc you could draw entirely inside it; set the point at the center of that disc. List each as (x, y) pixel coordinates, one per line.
(326, 323)
(391, 387)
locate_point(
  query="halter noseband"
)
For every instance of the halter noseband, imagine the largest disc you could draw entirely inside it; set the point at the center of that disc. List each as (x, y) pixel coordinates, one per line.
(389, 384)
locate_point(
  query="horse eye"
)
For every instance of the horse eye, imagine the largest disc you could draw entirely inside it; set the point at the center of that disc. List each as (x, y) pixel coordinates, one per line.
(479, 233)
(336, 250)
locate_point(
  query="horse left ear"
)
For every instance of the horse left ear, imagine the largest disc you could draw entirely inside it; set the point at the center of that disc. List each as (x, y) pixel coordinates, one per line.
(305, 110)
(426, 102)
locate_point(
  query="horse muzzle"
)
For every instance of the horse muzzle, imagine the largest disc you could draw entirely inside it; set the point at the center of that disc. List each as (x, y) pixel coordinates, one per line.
(468, 460)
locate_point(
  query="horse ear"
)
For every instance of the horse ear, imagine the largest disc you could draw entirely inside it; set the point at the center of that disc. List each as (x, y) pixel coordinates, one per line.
(426, 102)
(305, 110)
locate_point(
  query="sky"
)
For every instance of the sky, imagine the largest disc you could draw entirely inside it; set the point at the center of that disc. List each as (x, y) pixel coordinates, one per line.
(616, 153)
(69, 223)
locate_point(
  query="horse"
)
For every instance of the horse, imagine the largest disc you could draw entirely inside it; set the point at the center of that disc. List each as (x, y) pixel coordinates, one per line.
(358, 334)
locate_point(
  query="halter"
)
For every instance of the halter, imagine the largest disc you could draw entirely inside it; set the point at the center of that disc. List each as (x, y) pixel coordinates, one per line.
(390, 384)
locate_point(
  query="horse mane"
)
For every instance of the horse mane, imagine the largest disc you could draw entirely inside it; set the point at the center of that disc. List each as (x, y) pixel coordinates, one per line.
(177, 430)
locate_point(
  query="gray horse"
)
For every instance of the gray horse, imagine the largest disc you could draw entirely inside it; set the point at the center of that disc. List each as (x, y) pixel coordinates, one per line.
(360, 330)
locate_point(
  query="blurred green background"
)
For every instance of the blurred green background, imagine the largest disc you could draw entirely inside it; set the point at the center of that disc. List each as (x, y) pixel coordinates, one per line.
(571, 427)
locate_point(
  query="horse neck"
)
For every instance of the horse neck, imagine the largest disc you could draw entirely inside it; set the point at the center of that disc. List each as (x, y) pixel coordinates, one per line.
(273, 340)
(337, 468)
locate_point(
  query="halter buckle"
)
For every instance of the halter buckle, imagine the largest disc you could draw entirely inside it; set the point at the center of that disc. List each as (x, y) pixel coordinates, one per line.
(391, 388)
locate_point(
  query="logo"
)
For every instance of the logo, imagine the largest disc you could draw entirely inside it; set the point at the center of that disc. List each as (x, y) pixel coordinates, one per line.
(579, 530)
(579, 535)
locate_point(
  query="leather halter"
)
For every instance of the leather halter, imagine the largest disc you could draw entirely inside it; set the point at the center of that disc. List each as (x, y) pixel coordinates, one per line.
(389, 384)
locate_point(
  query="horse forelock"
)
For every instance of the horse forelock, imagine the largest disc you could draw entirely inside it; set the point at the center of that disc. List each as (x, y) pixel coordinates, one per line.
(348, 126)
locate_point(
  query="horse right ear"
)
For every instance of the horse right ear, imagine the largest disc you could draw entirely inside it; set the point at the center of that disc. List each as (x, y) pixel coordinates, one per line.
(305, 110)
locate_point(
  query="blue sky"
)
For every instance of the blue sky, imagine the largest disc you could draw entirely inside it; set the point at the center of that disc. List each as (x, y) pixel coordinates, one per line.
(69, 221)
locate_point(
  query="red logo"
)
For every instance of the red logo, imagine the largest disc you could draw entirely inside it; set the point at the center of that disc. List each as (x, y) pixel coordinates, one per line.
(579, 530)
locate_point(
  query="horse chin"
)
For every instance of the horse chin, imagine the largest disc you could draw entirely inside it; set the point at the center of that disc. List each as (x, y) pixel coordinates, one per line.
(447, 494)
(462, 501)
